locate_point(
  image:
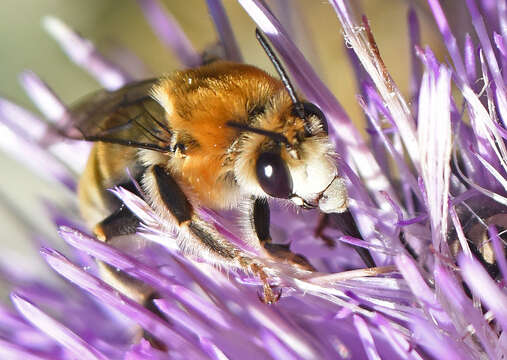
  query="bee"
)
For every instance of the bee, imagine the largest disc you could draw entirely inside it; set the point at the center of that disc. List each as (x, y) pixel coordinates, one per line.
(475, 218)
(222, 136)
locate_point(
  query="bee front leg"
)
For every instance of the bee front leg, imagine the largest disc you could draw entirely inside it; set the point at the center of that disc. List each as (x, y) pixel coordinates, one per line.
(260, 221)
(319, 231)
(345, 222)
(200, 237)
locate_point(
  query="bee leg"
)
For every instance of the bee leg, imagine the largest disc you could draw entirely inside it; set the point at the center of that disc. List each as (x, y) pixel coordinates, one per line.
(319, 230)
(346, 223)
(124, 222)
(203, 239)
(260, 220)
(121, 222)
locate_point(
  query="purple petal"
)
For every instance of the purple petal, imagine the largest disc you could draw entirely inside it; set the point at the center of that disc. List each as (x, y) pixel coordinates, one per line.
(144, 351)
(73, 154)
(449, 39)
(373, 64)
(419, 288)
(397, 340)
(502, 16)
(415, 41)
(483, 286)
(498, 250)
(288, 332)
(459, 231)
(500, 44)
(224, 30)
(13, 321)
(428, 59)
(137, 205)
(29, 125)
(10, 350)
(57, 331)
(492, 170)
(470, 59)
(184, 319)
(415, 220)
(34, 156)
(231, 341)
(84, 54)
(464, 307)
(361, 75)
(120, 302)
(486, 136)
(363, 244)
(366, 338)
(436, 343)
(204, 307)
(170, 32)
(375, 100)
(482, 34)
(128, 60)
(276, 348)
(44, 98)
(212, 350)
(489, 53)
(116, 258)
(31, 128)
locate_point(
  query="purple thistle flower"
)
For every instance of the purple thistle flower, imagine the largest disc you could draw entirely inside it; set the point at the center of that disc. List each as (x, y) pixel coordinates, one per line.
(428, 192)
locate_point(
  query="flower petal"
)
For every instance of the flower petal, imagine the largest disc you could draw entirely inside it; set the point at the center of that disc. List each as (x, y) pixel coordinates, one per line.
(120, 302)
(84, 54)
(57, 331)
(170, 32)
(483, 286)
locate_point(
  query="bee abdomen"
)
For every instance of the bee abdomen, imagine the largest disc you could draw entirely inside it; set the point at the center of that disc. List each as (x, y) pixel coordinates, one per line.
(106, 168)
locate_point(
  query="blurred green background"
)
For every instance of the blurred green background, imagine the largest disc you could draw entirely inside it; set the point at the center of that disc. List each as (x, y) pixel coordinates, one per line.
(114, 25)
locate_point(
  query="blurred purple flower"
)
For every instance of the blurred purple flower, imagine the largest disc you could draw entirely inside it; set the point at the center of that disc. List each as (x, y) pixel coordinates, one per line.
(444, 192)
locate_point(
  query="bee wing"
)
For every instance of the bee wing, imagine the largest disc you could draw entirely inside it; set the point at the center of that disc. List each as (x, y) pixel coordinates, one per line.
(128, 116)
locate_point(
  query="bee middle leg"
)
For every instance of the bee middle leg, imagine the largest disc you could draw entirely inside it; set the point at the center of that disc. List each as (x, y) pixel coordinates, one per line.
(200, 237)
(260, 221)
(120, 222)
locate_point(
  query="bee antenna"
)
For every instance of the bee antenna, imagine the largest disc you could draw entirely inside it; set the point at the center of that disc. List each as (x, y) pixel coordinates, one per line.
(272, 134)
(281, 72)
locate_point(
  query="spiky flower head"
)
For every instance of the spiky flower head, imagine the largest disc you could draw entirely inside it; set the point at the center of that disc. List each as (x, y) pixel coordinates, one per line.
(427, 192)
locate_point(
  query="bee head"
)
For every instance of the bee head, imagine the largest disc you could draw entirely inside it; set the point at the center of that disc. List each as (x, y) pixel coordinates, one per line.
(296, 162)
(291, 157)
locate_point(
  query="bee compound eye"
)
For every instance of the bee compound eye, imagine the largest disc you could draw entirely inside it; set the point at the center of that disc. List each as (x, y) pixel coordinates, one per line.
(273, 175)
